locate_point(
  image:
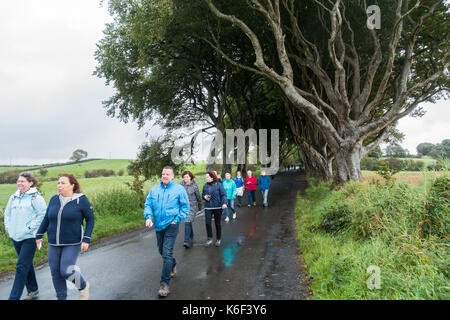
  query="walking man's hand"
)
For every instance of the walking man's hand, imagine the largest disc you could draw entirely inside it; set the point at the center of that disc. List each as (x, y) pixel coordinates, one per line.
(224, 206)
(148, 223)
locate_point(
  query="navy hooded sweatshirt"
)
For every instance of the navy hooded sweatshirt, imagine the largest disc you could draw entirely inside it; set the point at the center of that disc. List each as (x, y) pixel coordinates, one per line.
(64, 222)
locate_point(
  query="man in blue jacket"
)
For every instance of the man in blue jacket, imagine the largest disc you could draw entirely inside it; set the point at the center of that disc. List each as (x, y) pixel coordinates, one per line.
(167, 205)
(264, 184)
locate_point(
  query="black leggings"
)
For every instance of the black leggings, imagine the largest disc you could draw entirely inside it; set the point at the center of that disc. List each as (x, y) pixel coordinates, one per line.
(217, 221)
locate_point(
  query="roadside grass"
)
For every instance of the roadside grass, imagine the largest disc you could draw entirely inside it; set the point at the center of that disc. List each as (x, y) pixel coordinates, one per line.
(394, 227)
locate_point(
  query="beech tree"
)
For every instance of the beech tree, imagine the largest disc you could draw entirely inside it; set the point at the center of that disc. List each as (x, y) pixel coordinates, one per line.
(351, 82)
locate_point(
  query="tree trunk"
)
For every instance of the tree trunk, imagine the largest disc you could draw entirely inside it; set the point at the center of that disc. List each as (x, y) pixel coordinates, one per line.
(348, 162)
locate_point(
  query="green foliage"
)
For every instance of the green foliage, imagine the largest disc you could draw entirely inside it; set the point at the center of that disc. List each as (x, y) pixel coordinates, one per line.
(436, 220)
(98, 173)
(424, 148)
(137, 186)
(43, 171)
(9, 176)
(336, 219)
(78, 154)
(399, 228)
(116, 201)
(153, 157)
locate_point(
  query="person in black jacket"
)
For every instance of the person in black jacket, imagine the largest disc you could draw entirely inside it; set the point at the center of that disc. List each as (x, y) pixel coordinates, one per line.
(63, 223)
(216, 199)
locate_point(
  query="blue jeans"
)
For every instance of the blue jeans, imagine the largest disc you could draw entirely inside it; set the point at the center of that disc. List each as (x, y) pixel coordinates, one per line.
(188, 232)
(62, 261)
(25, 275)
(166, 241)
(265, 193)
(230, 204)
(251, 194)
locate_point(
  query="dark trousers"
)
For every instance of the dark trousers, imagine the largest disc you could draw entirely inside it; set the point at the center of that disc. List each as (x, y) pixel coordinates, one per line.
(217, 221)
(62, 261)
(251, 195)
(166, 241)
(25, 275)
(188, 232)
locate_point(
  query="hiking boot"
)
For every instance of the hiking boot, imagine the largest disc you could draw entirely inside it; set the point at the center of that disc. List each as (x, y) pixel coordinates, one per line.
(32, 295)
(174, 272)
(84, 294)
(217, 244)
(208, 243)
(163, 290)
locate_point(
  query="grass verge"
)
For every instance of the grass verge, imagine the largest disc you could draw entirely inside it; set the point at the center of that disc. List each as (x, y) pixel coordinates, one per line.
(400, 229)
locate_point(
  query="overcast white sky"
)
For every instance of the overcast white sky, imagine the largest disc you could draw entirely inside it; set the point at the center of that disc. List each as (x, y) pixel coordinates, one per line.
(50, 104)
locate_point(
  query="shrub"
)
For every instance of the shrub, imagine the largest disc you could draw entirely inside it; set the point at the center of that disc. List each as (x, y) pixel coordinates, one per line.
(115, 202)
(335, 220)
(9, 177)
(43, 171)
(437, 218)
(98, 173)
(121, 172)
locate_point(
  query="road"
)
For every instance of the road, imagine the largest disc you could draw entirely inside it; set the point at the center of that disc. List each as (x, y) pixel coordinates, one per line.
(259, 258)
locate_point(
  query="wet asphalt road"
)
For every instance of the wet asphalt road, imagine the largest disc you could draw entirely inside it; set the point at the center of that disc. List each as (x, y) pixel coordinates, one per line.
(259, 258)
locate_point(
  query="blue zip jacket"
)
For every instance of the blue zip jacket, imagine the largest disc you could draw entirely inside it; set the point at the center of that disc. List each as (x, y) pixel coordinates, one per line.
(230, 188)
(264, 182)
(64, 224)
(165, 205)
(239, 182)
(217, 193)
(23, 214)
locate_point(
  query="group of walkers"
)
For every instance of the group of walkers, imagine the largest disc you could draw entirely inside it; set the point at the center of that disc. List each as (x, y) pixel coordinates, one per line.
(168, 203)
(27, 218)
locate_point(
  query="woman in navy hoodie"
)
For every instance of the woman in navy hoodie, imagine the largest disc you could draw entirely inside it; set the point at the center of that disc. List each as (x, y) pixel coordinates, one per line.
(63, 223)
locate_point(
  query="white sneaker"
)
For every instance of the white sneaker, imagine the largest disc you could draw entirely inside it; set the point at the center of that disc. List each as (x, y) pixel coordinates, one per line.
(227, 219)
(234, 215)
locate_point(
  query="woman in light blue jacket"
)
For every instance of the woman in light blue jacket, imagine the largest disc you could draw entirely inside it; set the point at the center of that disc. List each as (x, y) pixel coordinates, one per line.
(22, 217)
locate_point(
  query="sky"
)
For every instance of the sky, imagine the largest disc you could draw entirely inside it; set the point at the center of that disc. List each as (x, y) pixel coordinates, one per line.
(51, 104)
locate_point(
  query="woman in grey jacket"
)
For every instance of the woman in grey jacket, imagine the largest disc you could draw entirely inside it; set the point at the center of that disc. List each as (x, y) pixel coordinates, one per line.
(195, 204)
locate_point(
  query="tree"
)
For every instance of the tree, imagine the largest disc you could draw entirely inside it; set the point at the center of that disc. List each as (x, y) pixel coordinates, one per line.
(441, 150)
(78, 154)
(153, 157)
(424, 148)
(395, 150)
(353, 83)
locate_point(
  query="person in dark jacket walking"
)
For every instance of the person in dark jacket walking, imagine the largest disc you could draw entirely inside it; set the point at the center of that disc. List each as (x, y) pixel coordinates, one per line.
(239, 181)
(63, 223)
(195, 204)
(264, 184)
(215, 200)
(22, 217)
